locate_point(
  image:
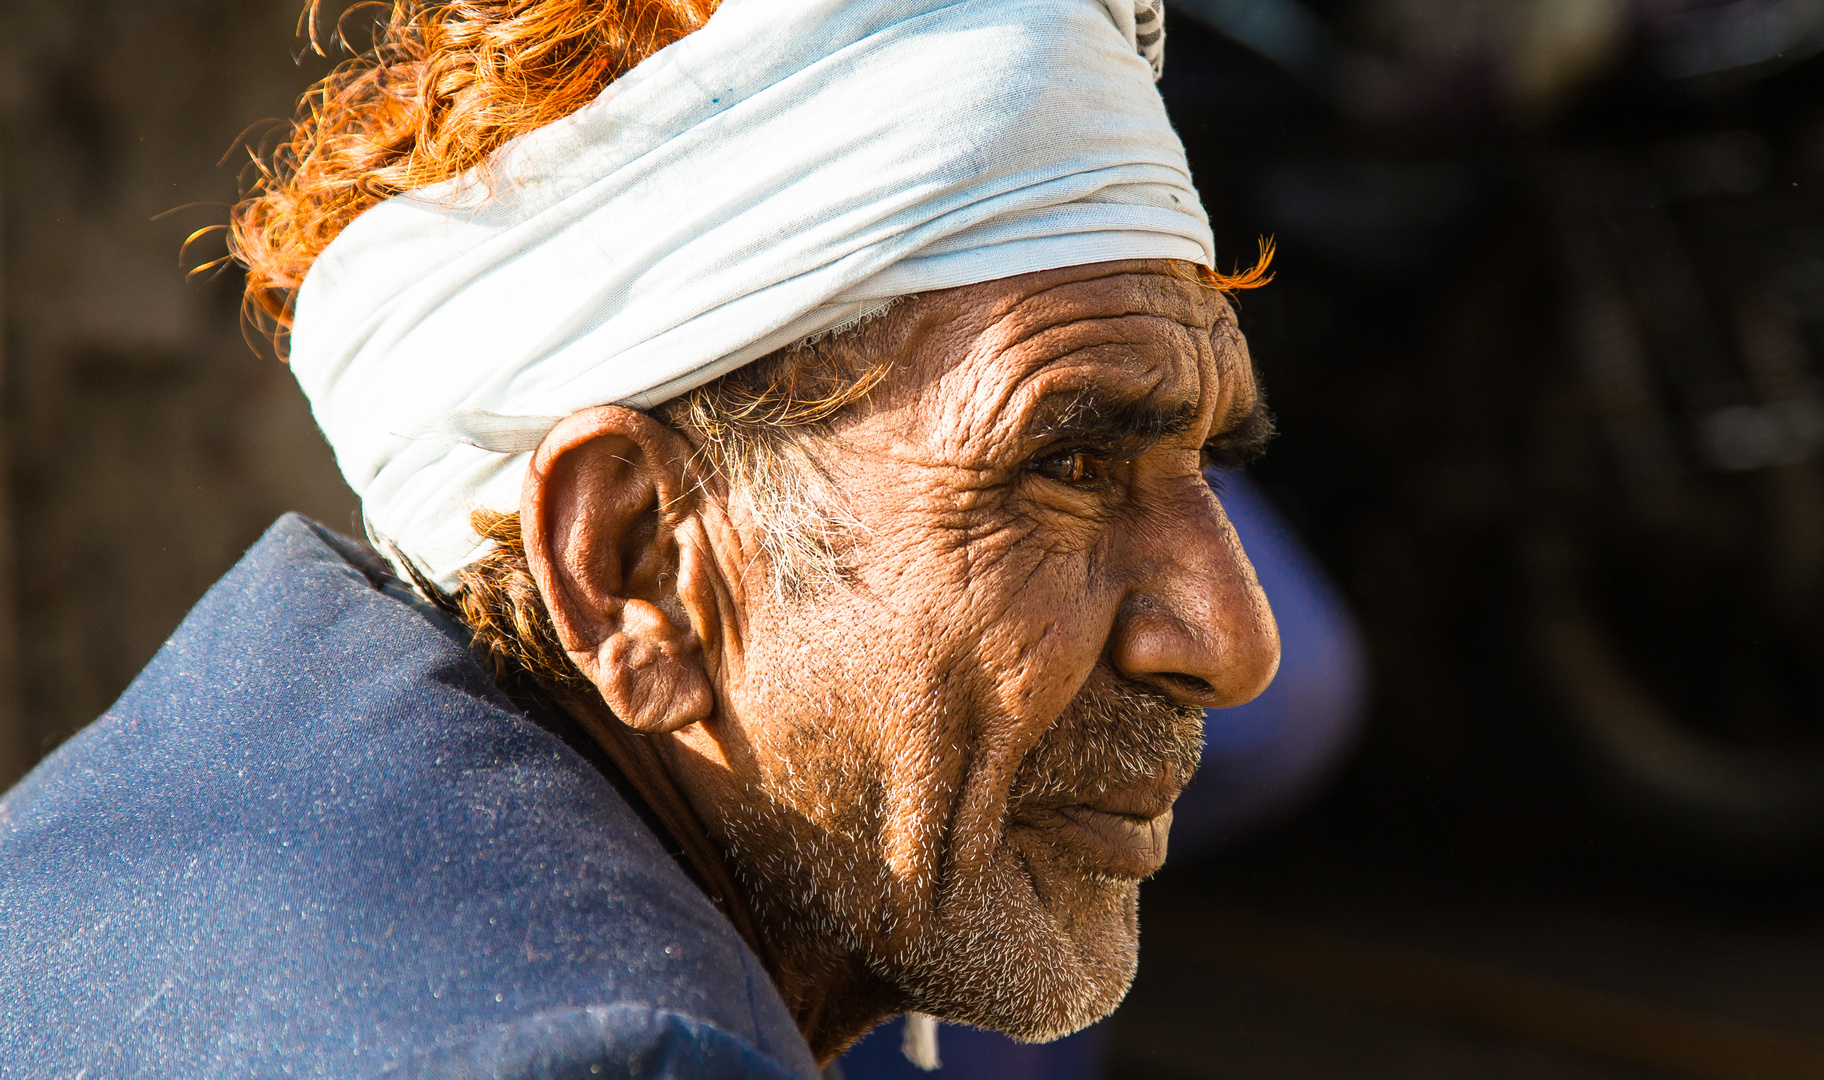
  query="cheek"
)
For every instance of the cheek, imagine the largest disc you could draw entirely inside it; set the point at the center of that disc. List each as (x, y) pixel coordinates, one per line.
(864, 684)
(1008, 627)
(859, 707)
(1043, 631)
(1043, 614)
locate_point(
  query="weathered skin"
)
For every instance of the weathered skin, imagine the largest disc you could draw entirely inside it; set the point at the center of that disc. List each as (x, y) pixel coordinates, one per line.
(942, 780)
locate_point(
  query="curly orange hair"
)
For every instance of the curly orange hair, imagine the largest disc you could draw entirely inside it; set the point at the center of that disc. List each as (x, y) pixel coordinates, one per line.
(445, 83)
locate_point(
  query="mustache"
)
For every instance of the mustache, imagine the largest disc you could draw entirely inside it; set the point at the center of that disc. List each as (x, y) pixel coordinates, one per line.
(1114, 734)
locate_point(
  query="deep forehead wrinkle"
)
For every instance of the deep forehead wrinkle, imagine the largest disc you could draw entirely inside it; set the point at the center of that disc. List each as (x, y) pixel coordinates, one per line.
(1180, 302)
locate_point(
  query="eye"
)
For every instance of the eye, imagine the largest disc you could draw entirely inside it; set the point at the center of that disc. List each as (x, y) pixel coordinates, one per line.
(1068, 467)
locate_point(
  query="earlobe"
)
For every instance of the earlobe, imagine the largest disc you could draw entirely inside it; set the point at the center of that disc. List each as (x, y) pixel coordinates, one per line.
(600, 511)
(650, 672)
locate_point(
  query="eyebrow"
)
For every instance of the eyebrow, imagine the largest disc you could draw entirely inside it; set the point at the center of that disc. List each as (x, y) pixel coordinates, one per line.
(1128, 426)
(1244, 439)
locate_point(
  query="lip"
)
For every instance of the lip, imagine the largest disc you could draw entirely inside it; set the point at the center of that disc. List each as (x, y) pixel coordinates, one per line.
(1121, 832)
(1125, 845)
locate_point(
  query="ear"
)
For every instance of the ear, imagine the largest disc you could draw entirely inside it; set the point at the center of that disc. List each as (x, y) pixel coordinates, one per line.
(599, 512)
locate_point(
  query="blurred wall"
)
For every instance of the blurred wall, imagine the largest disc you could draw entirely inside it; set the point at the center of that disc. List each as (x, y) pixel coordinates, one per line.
(146, 444)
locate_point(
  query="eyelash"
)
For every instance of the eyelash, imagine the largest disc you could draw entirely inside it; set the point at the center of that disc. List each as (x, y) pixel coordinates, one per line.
(1214, 460)
(1089, 470)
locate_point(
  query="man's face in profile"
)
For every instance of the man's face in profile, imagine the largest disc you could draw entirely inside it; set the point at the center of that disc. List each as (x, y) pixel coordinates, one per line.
(960, 760)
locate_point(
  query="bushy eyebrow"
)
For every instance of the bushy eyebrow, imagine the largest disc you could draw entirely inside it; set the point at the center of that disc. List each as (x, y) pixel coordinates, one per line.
(1244, 439)
(1123, 426)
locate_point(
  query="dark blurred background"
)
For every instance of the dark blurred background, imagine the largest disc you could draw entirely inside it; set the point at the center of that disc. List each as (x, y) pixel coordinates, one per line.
(1545, 349)
(146, 445)
(1544, 344)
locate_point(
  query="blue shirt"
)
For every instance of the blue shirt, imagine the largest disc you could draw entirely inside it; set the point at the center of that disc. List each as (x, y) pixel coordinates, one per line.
(313, 838)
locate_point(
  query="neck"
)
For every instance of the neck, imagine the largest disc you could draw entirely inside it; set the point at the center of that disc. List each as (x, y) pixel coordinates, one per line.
(830, 992)
(834, 1008)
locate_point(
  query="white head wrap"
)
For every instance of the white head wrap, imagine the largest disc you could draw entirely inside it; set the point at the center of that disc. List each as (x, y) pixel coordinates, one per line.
(787, 168)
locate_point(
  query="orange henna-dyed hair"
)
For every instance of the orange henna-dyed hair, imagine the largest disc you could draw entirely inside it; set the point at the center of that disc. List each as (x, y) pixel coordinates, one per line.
(445, 83)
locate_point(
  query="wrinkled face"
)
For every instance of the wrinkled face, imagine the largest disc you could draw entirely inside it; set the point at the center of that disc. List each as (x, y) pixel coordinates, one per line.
(961, 761)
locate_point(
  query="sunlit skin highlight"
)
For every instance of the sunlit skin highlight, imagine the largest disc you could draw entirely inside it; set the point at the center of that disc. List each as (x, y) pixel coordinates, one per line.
(941, 779)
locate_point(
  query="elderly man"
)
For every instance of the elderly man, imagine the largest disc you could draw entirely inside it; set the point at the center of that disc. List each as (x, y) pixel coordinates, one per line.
(787, 430)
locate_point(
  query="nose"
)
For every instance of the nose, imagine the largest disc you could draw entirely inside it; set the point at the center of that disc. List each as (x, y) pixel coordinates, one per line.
(1194, 622)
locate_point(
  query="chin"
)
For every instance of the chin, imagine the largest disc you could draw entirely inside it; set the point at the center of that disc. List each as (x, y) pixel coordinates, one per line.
(1034, 949)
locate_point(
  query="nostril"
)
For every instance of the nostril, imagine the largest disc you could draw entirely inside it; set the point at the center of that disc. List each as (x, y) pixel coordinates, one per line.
(1187, 685)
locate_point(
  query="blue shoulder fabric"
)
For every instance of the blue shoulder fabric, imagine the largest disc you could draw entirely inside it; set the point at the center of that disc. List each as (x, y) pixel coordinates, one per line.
(314, 839)
(574, 1044)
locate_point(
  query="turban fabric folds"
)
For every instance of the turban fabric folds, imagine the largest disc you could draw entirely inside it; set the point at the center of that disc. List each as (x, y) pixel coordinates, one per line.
(787, 168)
